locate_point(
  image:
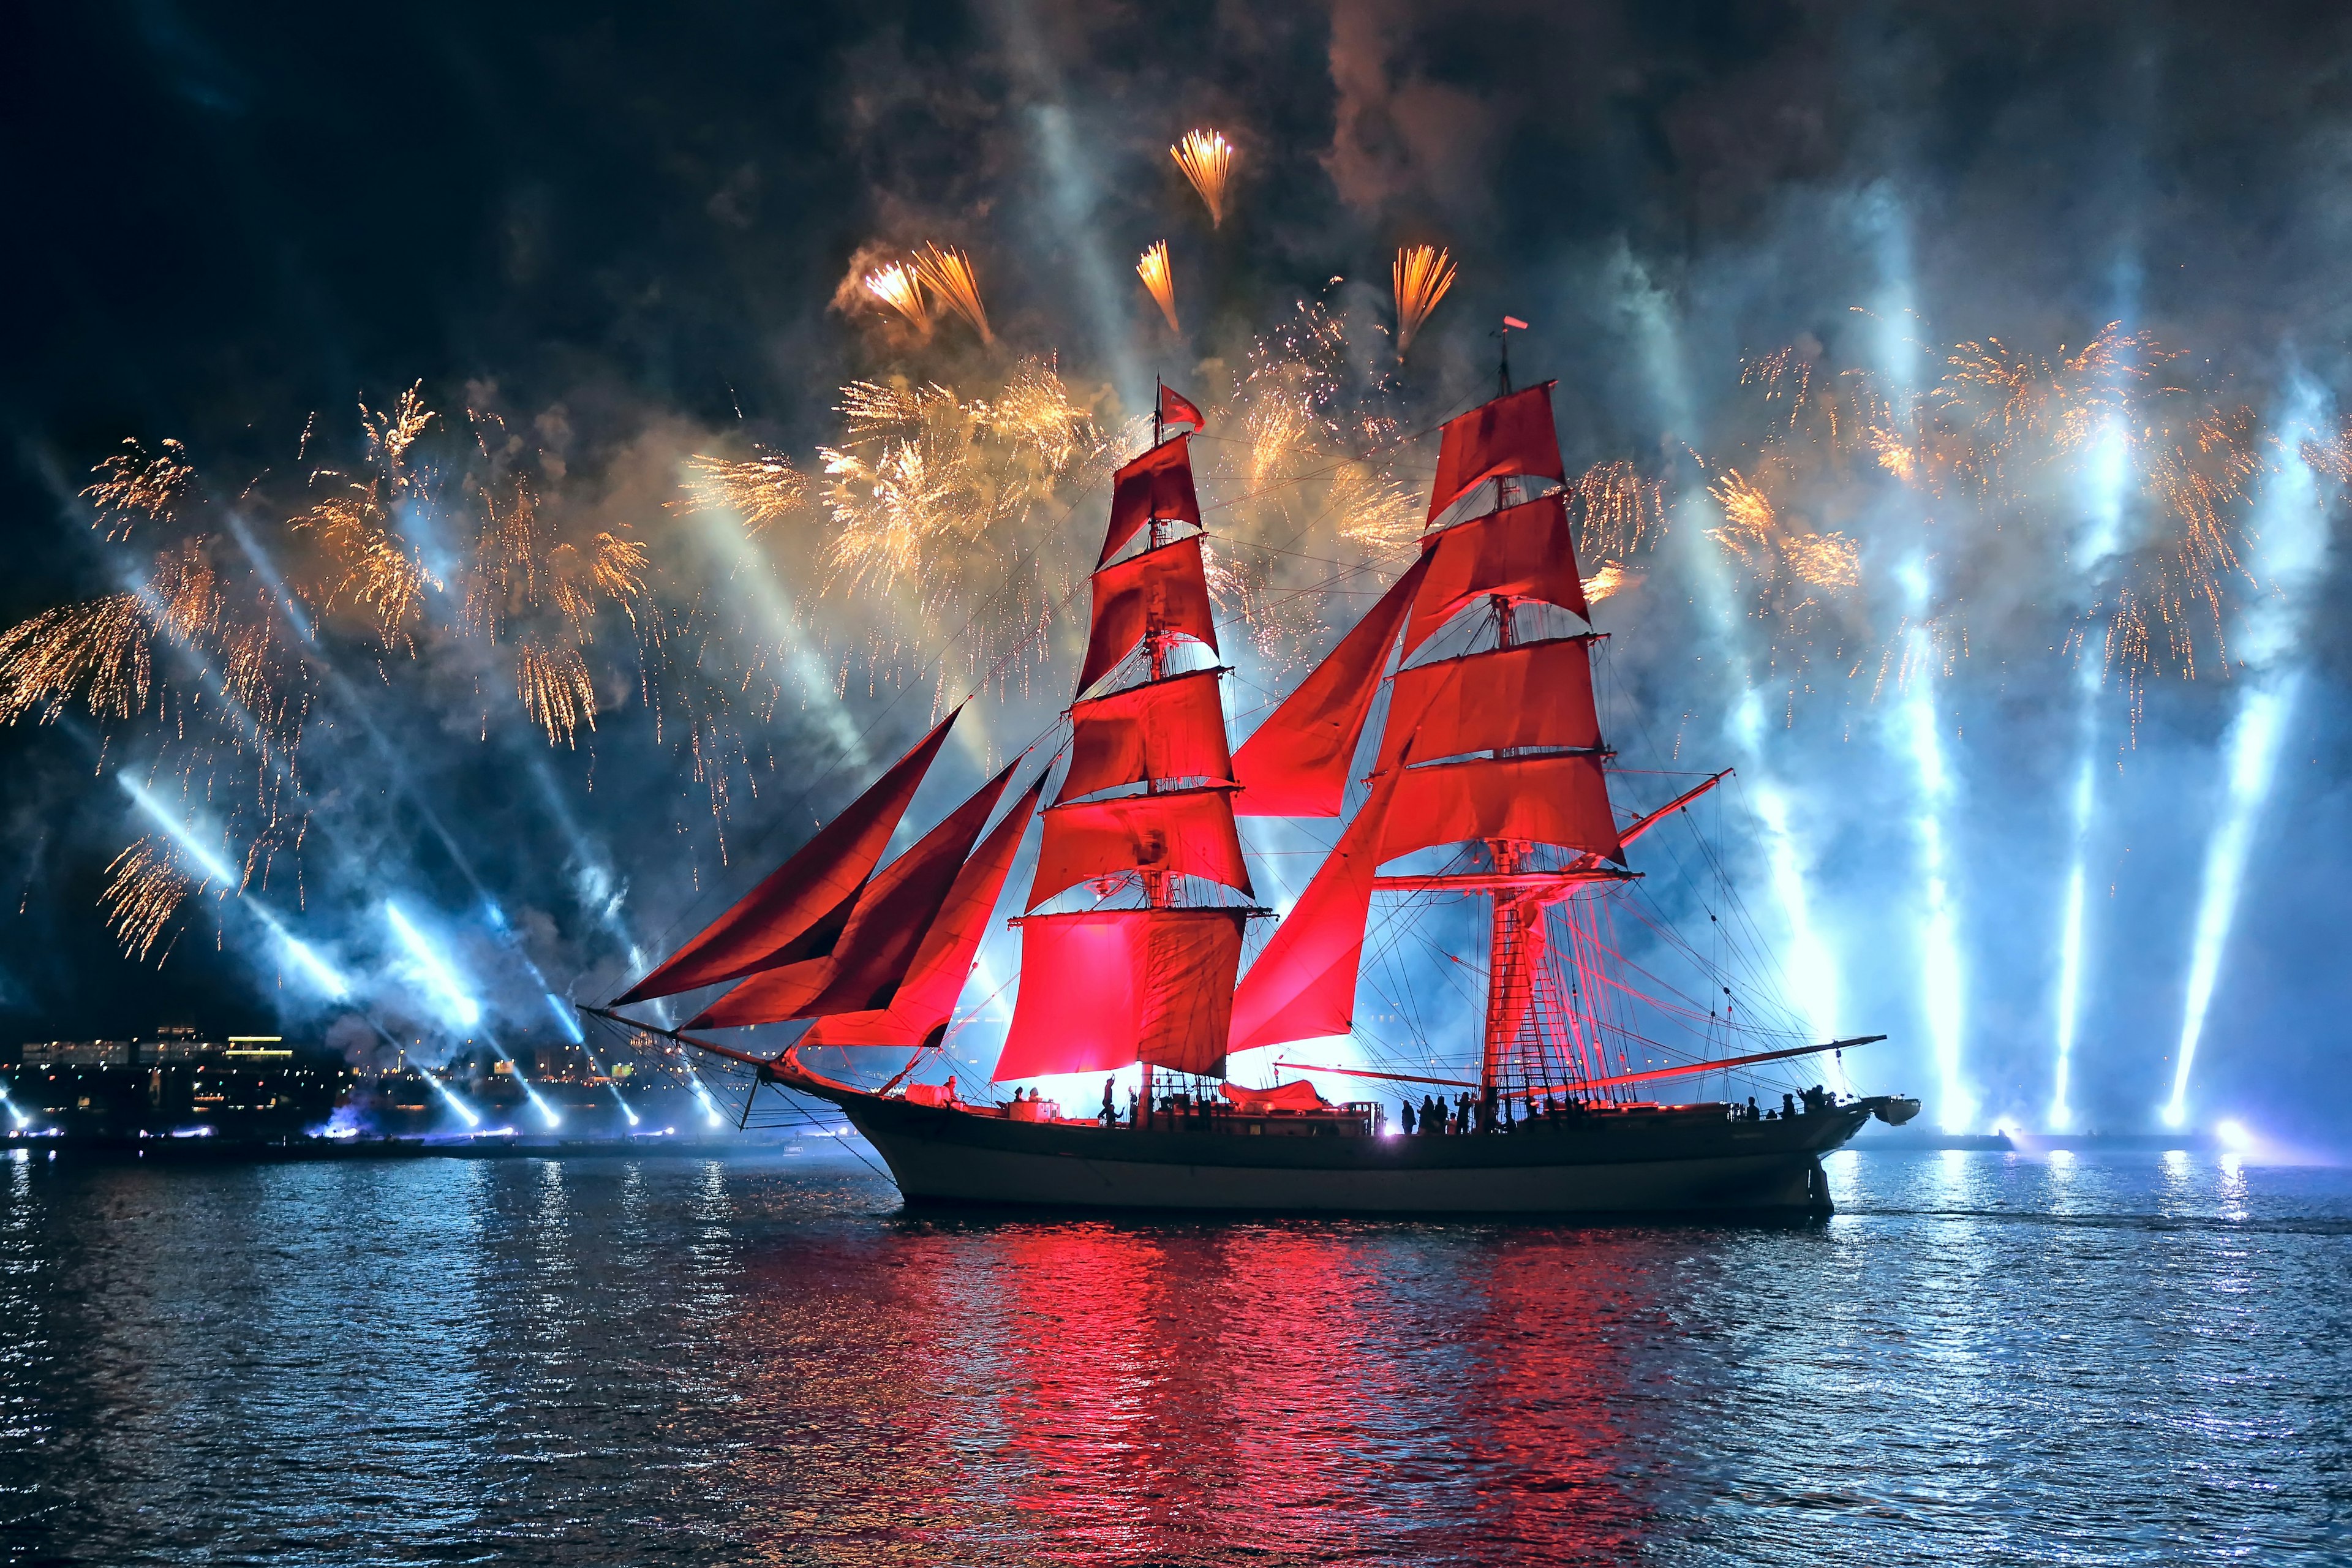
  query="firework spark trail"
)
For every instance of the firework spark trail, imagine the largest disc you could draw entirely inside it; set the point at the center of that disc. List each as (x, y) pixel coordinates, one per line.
(899, 286)
(1207, 160)
(1153, 268)
(1422, 274)
(947, 271)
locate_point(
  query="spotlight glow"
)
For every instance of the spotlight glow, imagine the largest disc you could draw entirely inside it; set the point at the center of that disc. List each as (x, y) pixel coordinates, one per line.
(1811, 969)
(15, 1115)
(464, 1112)
(2253, 756)
(437, 972)
(1940, 986)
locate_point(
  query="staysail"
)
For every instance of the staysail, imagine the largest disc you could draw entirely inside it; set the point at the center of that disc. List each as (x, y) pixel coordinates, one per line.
(798, 910)
(878, 946)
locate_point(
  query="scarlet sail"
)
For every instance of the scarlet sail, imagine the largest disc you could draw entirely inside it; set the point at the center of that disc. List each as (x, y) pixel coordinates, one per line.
(1520, 552)
(1108, 988)
(1158, 484)
(1159, 591)
(1533, 694)
(1295, 764)
(878, 946)
(1185, 833)
(1304, 985)
(1165, 731)
(1512, 435)
(1561, 799)
(808, 894)
(925, 999)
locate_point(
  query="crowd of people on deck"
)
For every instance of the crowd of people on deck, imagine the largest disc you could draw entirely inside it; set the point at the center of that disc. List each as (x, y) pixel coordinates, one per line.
(1465, 1114)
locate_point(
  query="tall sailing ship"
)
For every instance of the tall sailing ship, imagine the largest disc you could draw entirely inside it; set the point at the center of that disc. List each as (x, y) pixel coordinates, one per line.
(1459, 716)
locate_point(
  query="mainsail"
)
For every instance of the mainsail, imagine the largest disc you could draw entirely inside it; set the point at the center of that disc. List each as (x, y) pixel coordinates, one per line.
(1145, 808)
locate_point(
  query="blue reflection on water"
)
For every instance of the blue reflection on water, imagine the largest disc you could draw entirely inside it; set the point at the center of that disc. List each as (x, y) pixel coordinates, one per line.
(2090, 1358)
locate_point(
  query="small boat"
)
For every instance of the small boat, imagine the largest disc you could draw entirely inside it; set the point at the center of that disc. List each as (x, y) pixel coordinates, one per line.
(1454, 733)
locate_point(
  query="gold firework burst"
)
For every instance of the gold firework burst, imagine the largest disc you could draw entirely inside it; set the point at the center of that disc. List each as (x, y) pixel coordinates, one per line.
(947, 272)
(1153, 268)
(135, 484)
(1207, 160)
(763, 489)
(145, 884)
(1422, 274)
(899, 286)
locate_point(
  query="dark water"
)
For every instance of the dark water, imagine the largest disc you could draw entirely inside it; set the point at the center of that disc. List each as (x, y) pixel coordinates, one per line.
(1983, 1359)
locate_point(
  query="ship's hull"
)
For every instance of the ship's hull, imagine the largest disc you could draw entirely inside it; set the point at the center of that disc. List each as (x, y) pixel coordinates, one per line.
(1619, 1163)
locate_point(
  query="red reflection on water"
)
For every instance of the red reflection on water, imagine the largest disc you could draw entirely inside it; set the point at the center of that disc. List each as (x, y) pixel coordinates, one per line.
(1091, 1391)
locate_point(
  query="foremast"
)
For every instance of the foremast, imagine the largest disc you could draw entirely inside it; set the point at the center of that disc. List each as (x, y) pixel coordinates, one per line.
(1144, 807)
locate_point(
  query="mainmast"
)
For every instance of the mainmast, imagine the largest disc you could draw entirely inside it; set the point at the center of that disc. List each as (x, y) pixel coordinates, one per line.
(1499, 747)
(1107, 987)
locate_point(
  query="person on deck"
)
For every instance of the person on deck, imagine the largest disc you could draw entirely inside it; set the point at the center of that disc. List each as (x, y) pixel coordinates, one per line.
(1110, 1106)
(1404, 1118)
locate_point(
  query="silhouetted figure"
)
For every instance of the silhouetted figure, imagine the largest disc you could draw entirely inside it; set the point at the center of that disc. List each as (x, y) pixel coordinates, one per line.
(1787, 1108)
(1753, 1114)
(1110, 1106)
(1406, 1116)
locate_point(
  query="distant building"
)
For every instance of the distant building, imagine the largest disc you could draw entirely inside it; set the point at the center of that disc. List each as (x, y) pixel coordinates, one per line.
(78, 1054)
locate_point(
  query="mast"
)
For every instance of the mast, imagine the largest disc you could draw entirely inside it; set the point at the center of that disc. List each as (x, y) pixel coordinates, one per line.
(1497, 748)
(1105, 987)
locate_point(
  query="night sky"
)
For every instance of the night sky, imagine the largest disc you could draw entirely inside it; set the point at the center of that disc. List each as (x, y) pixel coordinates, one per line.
(627, 228)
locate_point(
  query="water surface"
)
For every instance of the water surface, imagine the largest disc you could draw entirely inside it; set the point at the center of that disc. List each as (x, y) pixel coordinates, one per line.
(1983, 1358)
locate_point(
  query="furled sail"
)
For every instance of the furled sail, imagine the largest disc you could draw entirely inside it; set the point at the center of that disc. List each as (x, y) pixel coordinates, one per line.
(920, 1010)
(1159, 733)
(1304, 985)
(1161, 591)
(1187, 832)
(810, 896)
(1520, 552)
(1537, 694)
(1158, 484)
(878, 946)
(1511, 435)
(1296, 763)
(1107, 988)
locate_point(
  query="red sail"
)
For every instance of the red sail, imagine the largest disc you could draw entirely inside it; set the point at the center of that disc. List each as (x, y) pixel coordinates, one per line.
(1164, 587)
(1511, 435)
(1522, 552)
(1536, 694)
(1102, 990)
(1184, 832)
(1295, 764)
(926, 1000)
(1561, 800)
(875, 952)
(1157, 484)
(759, 931)
(1168, 730)
(1304, 985)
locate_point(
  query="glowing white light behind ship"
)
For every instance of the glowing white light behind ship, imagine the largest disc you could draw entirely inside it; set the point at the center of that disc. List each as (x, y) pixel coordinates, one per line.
(437, 974)
(2102, 537)
(2254, 755)
(1811, 969)
(2292, 528)
(1941, 989)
